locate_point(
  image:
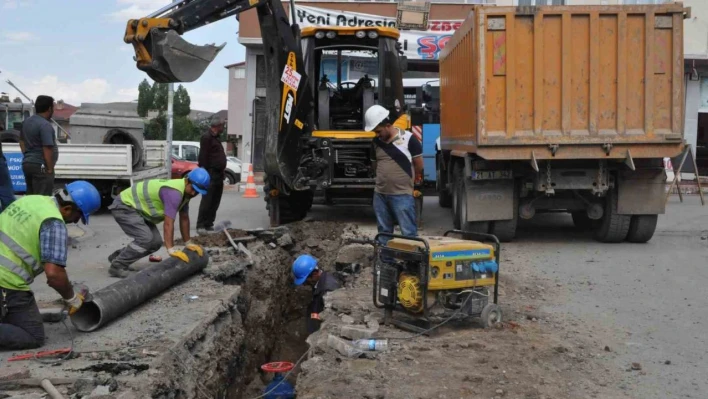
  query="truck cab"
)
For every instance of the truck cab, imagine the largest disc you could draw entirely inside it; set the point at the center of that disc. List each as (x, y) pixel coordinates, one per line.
(12, 114)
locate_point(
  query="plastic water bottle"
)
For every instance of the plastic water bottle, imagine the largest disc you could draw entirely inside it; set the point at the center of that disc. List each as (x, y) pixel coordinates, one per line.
(377, 345)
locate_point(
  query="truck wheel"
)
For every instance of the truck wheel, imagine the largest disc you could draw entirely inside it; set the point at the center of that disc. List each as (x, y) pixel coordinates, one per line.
(505, 230)
(613, 227)
(582, 221)
(641, 228)
(444, 197)
(457, 171)
(472, 227)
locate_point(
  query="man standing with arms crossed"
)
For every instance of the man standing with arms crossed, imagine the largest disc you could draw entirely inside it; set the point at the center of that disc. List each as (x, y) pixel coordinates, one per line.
(398, 158)
(212, 158)
(39, 148)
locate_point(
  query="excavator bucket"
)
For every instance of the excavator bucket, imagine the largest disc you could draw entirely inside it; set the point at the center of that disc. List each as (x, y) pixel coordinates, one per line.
(176, 60)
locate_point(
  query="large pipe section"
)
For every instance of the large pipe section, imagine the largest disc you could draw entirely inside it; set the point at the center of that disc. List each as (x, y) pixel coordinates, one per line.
(117, 299)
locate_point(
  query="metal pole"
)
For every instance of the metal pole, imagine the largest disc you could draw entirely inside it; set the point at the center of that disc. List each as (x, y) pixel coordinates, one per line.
(170, 121)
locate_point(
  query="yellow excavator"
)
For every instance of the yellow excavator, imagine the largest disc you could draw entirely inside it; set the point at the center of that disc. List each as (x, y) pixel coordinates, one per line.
(315, 147)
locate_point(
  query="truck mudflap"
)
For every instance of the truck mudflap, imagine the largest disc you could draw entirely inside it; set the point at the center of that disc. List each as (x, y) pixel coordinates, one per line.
(489, 199)
(641, 192)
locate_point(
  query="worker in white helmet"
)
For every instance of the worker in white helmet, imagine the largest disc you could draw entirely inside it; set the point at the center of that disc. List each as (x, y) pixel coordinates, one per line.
(398, 164)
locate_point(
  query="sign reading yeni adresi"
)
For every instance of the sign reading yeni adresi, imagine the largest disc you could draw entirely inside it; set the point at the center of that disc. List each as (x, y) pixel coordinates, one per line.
(416, 44)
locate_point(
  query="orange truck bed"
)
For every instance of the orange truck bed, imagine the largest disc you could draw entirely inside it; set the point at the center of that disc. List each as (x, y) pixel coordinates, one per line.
(565, 82)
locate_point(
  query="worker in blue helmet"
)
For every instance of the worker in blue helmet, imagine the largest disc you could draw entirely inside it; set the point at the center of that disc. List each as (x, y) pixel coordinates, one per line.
(33, 240)
(139, 209)
(306, 271)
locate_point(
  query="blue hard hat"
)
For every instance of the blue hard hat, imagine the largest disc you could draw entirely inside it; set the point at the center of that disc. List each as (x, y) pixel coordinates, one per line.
(86, 198)
(302, 267)
(200, 180)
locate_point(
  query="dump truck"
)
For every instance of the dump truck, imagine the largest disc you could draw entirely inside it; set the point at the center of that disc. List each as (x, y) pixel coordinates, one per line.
(562, 109)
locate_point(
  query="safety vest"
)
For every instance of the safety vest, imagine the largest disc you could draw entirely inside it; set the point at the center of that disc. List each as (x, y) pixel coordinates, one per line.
(144, 196)
(20, 223)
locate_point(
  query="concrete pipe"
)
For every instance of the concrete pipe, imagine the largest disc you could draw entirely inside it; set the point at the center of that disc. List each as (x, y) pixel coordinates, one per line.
(120, 136)
(117, 299)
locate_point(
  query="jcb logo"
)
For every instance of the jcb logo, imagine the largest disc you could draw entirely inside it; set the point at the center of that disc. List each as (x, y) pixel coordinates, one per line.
(288, 107)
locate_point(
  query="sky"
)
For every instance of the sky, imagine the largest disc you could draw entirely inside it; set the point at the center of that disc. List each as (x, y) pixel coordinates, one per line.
(73, 50)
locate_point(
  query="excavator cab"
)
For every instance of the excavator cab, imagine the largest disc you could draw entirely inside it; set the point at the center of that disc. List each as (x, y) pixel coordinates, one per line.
(316, 146)
(351, 69)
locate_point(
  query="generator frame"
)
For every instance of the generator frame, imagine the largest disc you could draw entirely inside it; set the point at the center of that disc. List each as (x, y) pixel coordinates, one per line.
(422, 257)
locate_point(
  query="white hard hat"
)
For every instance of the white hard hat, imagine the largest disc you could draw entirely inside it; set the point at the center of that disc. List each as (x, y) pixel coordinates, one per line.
(374, 116)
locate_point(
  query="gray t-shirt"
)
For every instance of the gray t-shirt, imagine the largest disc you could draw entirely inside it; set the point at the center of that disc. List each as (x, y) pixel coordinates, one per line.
(37, 132)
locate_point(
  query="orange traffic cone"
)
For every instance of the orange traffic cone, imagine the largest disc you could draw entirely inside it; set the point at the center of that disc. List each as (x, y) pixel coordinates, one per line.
(250, 185)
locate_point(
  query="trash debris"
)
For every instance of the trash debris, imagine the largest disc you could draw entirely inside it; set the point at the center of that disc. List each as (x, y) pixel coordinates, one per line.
(342, 346)
(155, 258)
(357, 332)
(191, 298)
(378, 345)
(636, 366)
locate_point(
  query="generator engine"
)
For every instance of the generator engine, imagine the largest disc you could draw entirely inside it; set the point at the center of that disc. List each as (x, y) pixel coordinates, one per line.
(436, 276)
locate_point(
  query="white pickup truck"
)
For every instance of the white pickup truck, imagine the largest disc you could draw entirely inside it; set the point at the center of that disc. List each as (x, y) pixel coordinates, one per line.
(109, 167)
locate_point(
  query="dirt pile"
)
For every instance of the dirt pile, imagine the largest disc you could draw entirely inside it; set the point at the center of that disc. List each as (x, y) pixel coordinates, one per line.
(526, 357)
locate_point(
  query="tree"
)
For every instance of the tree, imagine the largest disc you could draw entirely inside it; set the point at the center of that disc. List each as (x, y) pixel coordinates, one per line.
(145, 98)
(159, 95)
(182, 102)
(154, 98)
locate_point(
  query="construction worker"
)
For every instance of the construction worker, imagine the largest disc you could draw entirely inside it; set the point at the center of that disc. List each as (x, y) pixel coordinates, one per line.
(139, 208)
(33, 239)
(305, 271)
(398, 163)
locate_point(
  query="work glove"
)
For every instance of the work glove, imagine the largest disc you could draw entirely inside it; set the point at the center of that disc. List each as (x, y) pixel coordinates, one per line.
(174, 252)
(190, 245)
(80, 293)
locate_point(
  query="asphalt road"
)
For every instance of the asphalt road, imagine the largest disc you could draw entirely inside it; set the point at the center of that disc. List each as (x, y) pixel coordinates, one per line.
(650, 297)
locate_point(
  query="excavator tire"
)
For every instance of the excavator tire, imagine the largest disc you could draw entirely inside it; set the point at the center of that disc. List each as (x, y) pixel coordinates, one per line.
(293, 207)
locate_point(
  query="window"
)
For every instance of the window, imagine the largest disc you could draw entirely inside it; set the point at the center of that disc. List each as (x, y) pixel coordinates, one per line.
(190, 153)
(175, 150)
(239, 73)
(260, 71)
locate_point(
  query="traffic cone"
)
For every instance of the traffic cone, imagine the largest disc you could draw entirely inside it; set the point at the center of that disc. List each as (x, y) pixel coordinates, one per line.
(250, 185)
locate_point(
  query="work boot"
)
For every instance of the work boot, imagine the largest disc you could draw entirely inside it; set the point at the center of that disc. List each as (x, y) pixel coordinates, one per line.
(114, 255)
(205, 230)
(117, 271)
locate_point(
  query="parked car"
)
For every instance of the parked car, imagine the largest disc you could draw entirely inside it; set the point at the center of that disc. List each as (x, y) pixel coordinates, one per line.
(189, 151)
(233, 170)
(181, 167)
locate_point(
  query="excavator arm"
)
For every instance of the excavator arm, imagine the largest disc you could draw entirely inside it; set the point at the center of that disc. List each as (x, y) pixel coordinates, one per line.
(161, 52)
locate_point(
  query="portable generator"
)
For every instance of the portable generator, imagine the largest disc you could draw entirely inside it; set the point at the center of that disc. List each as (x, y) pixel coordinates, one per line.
(433, 279)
